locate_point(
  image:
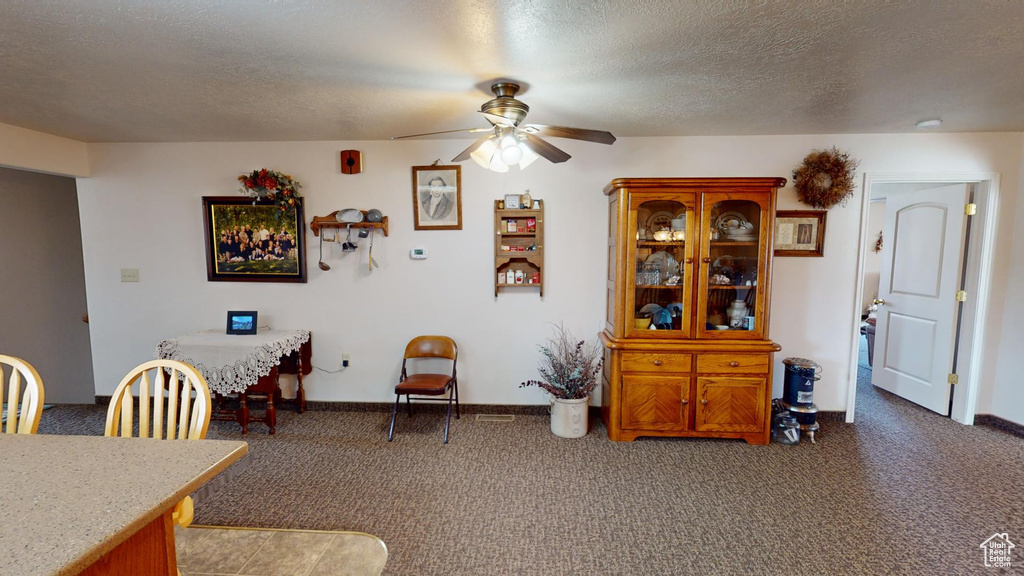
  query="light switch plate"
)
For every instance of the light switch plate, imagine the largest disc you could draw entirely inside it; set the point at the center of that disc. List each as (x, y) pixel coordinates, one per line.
(129, 274)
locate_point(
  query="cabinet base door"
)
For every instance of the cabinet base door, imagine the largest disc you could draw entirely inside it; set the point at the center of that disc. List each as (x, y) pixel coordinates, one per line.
(730, 404)
(655, 402)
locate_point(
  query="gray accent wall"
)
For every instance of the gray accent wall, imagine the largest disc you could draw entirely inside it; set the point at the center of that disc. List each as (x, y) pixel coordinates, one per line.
(42, 299)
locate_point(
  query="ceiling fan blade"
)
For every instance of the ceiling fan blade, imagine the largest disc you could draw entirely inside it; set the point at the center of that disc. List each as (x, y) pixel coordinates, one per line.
(544, 149)
(442, 132)
(599, 136)
(498, 120)
(472, 148)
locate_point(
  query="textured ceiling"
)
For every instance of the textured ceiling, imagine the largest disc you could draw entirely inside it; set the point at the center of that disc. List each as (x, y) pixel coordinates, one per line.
(234, 70)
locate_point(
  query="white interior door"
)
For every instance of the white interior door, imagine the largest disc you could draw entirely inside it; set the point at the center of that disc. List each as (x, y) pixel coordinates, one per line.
(920, 275)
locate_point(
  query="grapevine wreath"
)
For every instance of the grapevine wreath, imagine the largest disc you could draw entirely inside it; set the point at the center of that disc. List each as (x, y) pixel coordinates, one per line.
(825, 178)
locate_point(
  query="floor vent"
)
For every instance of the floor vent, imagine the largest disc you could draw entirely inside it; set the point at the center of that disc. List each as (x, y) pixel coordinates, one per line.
(495, 417)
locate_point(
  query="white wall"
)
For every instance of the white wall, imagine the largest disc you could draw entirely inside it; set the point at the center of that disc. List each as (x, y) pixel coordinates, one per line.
(141, 209)
(1007, 393)
(38, 152)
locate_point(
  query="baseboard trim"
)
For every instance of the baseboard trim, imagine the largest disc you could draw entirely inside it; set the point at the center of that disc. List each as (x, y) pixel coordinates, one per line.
(439, 406)
(432, 406)
(1000, 424)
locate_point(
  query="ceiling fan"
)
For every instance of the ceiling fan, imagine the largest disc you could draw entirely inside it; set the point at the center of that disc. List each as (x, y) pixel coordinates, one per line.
(509, 142)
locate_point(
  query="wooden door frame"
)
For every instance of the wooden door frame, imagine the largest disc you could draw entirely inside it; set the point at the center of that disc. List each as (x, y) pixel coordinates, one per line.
(980, 253)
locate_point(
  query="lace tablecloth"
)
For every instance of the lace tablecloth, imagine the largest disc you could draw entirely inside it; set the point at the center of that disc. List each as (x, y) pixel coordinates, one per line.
(231, 363)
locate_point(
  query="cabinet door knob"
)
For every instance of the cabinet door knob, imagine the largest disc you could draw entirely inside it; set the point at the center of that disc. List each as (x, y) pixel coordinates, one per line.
(688, 260)
(657, 362)
(685, 402)
(734, 364)
(706, 260)
(703, 402)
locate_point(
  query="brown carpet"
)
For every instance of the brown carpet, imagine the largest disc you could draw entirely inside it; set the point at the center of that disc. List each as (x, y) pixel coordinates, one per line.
(903, 491)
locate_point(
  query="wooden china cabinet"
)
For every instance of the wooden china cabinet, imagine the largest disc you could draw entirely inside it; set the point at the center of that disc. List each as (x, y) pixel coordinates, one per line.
(687, 351)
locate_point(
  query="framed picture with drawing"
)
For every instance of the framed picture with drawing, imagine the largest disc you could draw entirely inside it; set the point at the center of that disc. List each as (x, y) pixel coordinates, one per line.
(800, 233)
(248, 242)
(437, 197)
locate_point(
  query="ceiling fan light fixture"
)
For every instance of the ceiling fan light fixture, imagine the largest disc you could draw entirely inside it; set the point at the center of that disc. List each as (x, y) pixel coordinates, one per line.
(511, 152)
(496, 164)
(485, 153)
(528, 157)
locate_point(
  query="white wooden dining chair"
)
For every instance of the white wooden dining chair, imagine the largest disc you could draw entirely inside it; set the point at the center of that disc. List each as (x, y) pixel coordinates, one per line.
(184, 416)
(24, 395)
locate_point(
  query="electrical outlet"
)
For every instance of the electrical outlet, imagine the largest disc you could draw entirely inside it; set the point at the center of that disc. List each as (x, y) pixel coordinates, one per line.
(129, 274)
(345, 358)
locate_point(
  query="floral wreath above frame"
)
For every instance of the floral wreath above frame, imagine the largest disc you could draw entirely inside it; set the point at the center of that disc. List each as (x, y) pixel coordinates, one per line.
(270, 186)
(825, 178)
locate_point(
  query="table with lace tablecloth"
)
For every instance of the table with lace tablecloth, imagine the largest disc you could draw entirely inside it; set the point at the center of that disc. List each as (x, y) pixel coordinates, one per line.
(245, 365)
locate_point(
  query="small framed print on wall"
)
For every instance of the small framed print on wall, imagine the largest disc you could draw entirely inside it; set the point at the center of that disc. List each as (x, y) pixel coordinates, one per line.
(437, 197)
(800, 233)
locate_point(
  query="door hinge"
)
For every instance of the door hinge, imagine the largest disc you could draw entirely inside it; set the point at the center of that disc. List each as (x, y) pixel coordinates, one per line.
(961, 295)
(971, 209)
(952, 379)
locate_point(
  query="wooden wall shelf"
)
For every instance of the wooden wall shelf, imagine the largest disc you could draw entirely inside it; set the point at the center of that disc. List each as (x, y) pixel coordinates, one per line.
(331, 221)
(529, 262)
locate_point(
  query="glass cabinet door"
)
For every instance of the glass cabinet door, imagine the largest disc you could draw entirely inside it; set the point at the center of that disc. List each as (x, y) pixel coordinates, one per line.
(733, 251)
(662, 229)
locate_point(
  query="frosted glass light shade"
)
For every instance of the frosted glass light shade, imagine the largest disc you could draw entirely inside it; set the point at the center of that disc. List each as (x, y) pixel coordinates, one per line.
(528, 157)
(511, 154)
(484, 153)
(497, 165)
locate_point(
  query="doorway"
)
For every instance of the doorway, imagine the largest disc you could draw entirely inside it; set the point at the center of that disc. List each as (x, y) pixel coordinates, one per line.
(975, 279)
(43, 309)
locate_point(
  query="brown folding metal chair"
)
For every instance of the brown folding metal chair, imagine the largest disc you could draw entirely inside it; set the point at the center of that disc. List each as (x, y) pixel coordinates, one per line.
(427, 384)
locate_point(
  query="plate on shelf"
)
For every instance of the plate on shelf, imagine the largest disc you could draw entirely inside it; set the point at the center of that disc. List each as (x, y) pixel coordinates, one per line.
(658, 220)
(734, 225)
(664, 262)
(649, 310)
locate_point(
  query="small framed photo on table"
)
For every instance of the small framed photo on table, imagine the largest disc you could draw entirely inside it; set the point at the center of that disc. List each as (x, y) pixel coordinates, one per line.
(800, 233)
(437, 197)
(242, 322)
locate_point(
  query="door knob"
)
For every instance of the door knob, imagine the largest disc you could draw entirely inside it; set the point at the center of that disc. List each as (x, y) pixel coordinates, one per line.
(657, 362)
(878, 301)
(706, 260)
(703, 402)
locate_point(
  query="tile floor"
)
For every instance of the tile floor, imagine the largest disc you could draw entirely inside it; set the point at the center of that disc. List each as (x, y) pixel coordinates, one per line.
(209, 551)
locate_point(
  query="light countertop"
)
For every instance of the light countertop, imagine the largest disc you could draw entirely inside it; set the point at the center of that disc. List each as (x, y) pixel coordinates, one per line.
(67, 500)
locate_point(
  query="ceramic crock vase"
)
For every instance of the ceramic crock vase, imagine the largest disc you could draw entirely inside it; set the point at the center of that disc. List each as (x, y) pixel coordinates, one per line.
(737, 310)
(569, 417)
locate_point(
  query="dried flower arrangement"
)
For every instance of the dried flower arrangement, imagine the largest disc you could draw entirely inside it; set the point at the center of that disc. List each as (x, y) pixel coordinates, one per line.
(271, 186)
(825, 178)
(570, 368)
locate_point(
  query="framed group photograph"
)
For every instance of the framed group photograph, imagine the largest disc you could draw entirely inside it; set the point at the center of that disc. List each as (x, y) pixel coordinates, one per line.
(800, 233)
(437, 197)
(253, 243)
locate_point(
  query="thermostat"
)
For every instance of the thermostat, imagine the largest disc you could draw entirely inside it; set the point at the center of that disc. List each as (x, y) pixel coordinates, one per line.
(418, 253)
